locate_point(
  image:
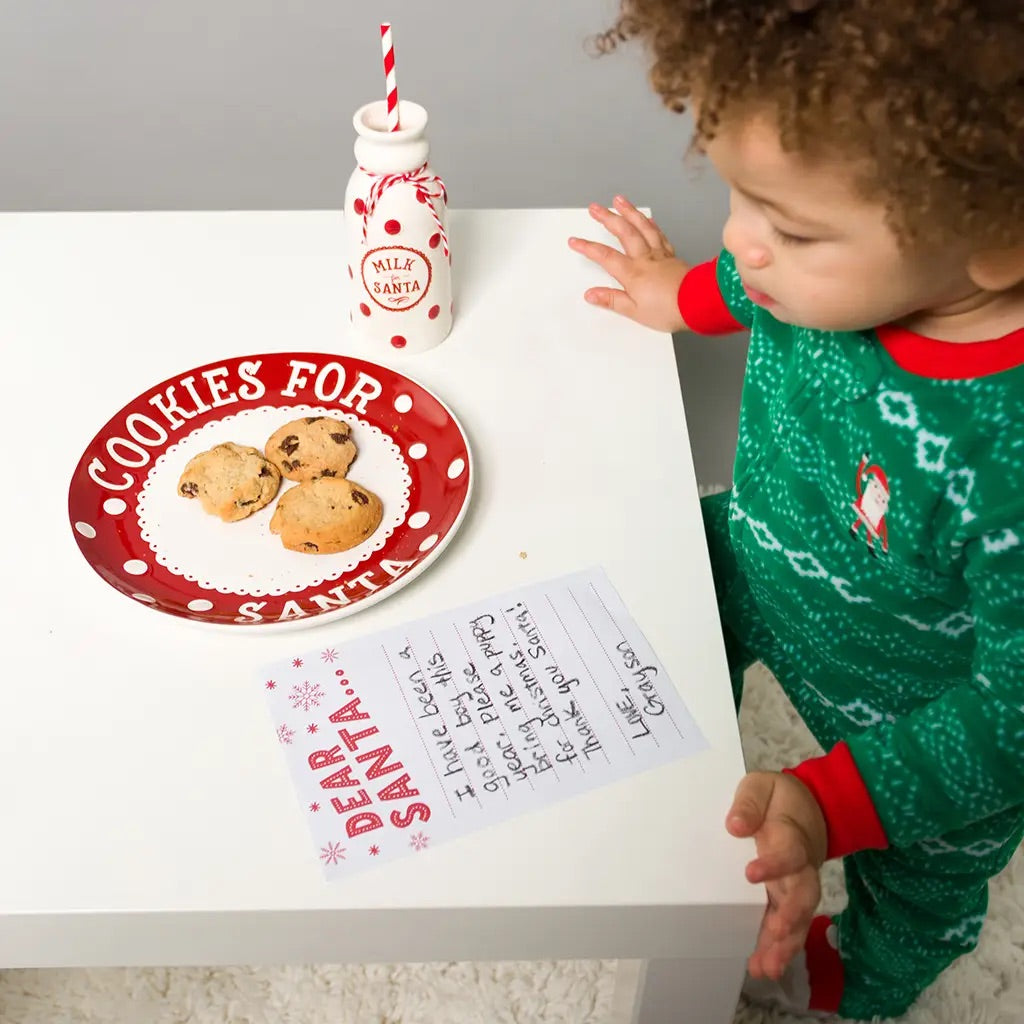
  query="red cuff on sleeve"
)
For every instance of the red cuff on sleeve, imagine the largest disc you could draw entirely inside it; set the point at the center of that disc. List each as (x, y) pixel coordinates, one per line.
(850, 815)
(701, 304)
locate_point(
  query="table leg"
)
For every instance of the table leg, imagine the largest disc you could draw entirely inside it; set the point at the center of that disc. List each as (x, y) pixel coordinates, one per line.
(677, 991)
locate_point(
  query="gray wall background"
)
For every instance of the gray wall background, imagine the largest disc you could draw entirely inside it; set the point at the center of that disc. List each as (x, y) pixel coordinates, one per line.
(207, 104)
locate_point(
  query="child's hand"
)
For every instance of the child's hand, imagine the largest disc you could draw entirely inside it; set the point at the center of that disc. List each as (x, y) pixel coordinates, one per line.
(647, 269)
(782, 815)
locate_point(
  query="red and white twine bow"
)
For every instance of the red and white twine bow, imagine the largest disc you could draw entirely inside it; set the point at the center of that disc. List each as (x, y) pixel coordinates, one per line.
(428, 188)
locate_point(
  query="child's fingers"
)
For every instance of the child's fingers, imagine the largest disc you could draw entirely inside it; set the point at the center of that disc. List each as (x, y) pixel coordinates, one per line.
(785, 925)
(768, 960)
(794, 902)
(611, 298)
(750, 803)
(604, 256)
(777, 948)
(631, 239)
(775, 958)
(652, 234)
(772, 953)
(779, 856)
(783, 932)
(774, 866)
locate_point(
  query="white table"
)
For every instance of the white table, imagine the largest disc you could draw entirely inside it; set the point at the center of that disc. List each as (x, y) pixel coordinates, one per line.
(148, 817)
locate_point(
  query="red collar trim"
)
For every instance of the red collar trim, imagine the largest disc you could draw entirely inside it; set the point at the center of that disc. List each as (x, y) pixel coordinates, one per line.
(950, 360)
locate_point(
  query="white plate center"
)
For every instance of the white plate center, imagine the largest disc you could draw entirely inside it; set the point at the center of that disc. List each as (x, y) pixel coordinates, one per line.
(245, 558)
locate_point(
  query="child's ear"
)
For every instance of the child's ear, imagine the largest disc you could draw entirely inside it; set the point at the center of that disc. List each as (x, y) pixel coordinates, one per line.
(996, 270)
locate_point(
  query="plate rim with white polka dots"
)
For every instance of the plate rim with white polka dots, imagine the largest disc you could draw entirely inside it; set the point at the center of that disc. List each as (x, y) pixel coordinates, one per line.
(103, 495)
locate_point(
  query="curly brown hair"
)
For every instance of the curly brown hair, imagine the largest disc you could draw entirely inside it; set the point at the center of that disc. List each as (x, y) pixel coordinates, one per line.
(931, 93)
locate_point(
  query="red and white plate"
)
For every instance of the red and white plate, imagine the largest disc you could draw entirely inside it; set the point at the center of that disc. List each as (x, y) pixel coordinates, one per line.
(164, 551)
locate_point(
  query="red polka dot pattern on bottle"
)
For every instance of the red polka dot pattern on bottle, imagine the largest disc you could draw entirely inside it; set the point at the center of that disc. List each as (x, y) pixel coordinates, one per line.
(435, 240)
(364, 309)
(398, 341)
(433, 312)
(392, 227)
(359, 206)
(350, 274)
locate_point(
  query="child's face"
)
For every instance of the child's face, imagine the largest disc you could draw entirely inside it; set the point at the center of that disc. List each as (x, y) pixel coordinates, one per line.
(812, 250)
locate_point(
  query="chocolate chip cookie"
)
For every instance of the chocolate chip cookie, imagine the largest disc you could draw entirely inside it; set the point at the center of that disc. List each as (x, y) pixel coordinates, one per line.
(326, 515)
(230, 480)
(313, 447)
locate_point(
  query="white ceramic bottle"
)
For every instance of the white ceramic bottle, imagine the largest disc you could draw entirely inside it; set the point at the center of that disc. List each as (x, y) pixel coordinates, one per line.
(396, 226)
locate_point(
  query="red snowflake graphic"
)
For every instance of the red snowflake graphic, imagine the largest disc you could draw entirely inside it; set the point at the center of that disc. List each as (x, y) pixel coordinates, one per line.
(332, 853)
(306, 695)
(314, 807)
(374, 850)
(419, 841)
(329, 654)
(284, 734)
(271, 684)
(297, 662)
(312, 728)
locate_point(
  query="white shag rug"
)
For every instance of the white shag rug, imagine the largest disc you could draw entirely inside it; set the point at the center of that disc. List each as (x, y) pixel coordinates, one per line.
(984, 988)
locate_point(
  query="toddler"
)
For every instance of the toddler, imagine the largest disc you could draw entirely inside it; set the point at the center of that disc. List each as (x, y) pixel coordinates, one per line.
(871, 550)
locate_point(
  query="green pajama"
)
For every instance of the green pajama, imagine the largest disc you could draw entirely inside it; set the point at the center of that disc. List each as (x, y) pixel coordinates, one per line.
(912, 910)
(871, 554)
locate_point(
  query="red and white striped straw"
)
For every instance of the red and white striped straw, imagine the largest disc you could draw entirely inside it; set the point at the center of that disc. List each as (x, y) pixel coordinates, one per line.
(388, 46)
